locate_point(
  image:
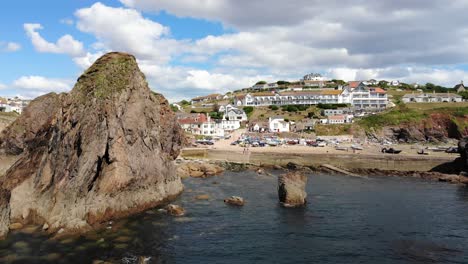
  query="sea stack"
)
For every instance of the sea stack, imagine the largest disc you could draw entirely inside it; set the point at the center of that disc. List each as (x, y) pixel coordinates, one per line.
(291, 189)
(103, 151)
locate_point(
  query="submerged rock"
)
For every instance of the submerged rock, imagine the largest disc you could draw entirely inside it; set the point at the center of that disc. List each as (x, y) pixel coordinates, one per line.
(235, 200)
(291, 189)
(198, 170)
(175, 210)
(202, 197)
(103, 151)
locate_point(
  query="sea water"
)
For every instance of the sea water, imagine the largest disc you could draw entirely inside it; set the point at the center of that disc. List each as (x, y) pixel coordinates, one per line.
(346, 220)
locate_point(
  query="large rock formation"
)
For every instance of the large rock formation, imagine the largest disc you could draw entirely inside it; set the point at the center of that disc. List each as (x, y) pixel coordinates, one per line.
(103, 151)
(291, 189)
(436, 127)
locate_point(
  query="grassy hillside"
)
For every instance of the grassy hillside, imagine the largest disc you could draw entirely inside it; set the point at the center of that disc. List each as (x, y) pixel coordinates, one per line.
(414, 113)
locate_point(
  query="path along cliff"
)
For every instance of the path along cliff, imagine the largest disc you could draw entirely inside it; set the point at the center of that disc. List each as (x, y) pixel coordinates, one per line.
(105, 150)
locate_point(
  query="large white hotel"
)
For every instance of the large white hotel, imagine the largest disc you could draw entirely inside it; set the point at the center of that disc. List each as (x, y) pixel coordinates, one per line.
(358, 95)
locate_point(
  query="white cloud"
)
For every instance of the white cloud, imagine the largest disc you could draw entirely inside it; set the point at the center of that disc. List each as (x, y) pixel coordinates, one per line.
(87, 60)
(42, 84)
(64, 45)
(127, 30)
(9, 46)
(2, 86)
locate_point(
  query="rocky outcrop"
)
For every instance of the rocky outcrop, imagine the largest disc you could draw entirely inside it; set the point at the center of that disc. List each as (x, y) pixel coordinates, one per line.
(32, 123)
(235, 200)
(103, 151)
(291, 189)
(463, 150)
(198, 170)
(175, 210)
(436, 128)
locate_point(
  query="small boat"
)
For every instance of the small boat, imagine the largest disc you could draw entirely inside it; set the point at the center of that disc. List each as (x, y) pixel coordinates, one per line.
(341, 148)
(438, 149)
(452, 150)
(390, 151)
(421, 152)
(357, 147)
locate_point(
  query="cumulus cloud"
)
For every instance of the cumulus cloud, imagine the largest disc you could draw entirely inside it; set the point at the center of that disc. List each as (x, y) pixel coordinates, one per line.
(351, 40)
(127, 30)
(64, 45)
(40, 83)
(364, 34)
(9, 46)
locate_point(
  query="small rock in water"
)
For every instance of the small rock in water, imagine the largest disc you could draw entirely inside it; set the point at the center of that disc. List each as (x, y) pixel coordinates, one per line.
(61, 230)
(16, 226)
(202, 197)
(45, 227)
(143, 260)
(175, 210)
(235, 200)
(260, 171)
(29, 229)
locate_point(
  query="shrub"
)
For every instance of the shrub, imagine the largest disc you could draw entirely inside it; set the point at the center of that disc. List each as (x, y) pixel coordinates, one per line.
(248, 109)
(273, 107)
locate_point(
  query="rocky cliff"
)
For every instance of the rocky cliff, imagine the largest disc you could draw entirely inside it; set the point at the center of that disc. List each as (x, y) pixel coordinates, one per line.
(103, 151)
(436, 127)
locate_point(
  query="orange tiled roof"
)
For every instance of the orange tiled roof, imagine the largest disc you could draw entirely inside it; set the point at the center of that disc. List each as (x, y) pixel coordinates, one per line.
(331, 92)
(378, 90)
(354, 84)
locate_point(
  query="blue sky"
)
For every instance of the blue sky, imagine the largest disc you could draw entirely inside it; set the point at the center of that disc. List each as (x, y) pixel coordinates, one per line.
(193, 47)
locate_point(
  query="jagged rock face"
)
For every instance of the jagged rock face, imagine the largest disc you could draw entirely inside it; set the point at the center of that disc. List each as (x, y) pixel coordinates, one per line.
(106, 151)
(291, 189)
(463, 150)
(34, 119)
(435, 128)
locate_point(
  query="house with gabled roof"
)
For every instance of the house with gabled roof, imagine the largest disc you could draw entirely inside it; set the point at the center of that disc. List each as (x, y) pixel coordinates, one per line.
(460, 87)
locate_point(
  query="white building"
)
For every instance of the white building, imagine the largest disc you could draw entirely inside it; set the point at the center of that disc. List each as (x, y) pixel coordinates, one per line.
(235, 114)
(432, 98)
(230, 125)
(366, 97)
(359, 96)
(277, 124)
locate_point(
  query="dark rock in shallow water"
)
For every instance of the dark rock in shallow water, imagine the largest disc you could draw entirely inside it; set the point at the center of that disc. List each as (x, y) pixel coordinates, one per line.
(291, 189)
(235, 200)
(104, 150)
(175, 210)
(463, 150)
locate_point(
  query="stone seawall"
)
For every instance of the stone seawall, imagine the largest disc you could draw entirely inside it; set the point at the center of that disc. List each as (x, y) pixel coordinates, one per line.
(345, 160)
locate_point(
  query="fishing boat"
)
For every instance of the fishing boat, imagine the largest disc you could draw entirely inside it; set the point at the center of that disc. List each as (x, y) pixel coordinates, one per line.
(390, 151)
(341, 148)
(357, 147)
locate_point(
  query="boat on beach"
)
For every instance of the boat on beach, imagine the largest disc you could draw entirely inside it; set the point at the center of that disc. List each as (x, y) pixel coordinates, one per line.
(357, 147)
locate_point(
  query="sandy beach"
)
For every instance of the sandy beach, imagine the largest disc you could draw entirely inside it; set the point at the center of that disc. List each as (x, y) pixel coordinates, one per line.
(368, 149)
